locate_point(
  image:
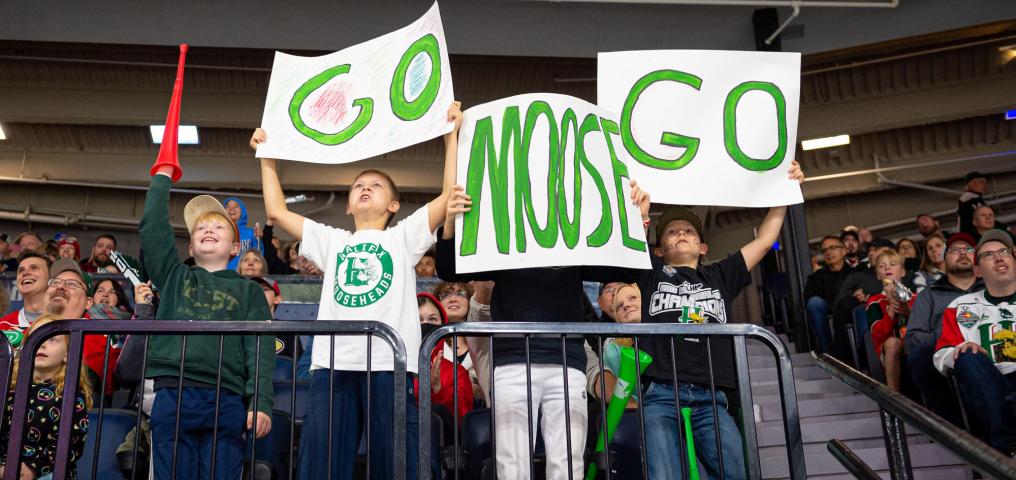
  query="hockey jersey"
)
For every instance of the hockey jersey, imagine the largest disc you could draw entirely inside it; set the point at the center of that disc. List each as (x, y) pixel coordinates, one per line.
(985, 320)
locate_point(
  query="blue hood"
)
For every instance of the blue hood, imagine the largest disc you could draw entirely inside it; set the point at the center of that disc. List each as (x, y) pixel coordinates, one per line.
(247, 238)
(242, 222)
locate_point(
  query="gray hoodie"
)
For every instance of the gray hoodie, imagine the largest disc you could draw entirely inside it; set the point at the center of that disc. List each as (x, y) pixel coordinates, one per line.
(925, 322)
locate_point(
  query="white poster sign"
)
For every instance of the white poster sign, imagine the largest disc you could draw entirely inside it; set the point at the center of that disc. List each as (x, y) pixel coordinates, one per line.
(372, 98)
(703, 127)
(547, 187)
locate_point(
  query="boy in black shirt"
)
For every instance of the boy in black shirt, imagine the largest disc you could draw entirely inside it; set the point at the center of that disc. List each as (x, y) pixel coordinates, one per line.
(681, 290)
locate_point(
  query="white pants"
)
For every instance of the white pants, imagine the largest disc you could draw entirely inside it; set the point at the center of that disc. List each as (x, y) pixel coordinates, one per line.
(511, 412)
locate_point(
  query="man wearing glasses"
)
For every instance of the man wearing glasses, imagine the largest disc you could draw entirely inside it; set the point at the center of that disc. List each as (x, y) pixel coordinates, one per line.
(67, 298)
(978, 342)
(821, 288)
(925, 323)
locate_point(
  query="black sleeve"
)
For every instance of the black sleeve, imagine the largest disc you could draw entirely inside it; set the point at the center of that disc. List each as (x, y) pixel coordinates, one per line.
(128, 367)
(275, 264)
(810, 286)
(445, 262)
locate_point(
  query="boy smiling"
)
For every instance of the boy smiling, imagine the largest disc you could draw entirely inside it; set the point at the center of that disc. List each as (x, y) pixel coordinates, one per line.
(208, 291)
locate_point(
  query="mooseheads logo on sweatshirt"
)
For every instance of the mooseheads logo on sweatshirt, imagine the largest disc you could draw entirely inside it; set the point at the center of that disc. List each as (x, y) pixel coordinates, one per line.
(363, 275)
(692, 302)
(997, 337)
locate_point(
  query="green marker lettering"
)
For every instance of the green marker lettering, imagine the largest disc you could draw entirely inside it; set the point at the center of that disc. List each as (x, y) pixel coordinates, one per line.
(730, 127)
(690, 144)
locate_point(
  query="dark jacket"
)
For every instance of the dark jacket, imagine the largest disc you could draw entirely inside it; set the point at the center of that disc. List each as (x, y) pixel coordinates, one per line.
(553, 294)
(826, 283)
(925, 323)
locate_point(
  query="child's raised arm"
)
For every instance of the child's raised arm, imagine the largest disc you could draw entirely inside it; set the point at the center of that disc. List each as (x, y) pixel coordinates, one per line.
(436, 207)
(275, 201)
(769, 231)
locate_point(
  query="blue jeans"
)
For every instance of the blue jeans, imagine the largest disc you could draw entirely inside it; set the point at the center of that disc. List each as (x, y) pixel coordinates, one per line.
(197, 420)
(986, 392)
(349, 412)
(818, 317)
(665, 451)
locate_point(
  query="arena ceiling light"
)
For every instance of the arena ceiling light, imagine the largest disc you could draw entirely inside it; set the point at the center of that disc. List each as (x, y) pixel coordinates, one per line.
(3, 136)
(186, 135)
(825, 142)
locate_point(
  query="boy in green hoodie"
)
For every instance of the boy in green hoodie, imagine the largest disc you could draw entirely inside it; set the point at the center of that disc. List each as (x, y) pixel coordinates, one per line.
(207, 291)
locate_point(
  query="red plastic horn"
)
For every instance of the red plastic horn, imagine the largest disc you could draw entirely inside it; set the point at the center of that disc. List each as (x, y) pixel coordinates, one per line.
(168, 150)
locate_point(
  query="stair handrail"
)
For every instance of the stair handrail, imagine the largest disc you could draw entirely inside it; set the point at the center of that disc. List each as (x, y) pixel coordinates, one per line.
(854, 464)
(979, 454)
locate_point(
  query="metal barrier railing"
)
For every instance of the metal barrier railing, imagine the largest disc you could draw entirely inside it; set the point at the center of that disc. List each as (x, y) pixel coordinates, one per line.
(78, 329)
(895, 409)
(563, 331)
(843, 454)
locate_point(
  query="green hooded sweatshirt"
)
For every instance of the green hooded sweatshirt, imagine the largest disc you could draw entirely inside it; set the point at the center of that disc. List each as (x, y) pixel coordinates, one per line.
(193, 293)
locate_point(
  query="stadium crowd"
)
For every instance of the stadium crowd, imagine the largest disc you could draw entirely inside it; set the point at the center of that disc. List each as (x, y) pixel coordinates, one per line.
(927, 307)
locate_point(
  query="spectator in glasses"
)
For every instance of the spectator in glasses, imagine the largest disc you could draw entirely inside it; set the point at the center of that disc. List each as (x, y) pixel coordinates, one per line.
(821, 288)
(925, 323)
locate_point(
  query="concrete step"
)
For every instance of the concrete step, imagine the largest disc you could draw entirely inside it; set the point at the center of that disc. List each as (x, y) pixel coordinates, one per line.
(851, 429)
(771, 374)
(937, 473)
(927, 455)
(859, 444)
(828, 385)
(797, 359)
(771, 411)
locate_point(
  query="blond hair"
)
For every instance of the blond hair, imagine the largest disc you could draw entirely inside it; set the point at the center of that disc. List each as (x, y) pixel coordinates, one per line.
(218, 217)
(890, 254)
(84, 382)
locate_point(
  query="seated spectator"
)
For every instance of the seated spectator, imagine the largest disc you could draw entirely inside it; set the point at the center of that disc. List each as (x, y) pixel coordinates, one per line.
(252, 264)
(6, 260)
(928, 226)
(69, 248)
(51, 250)
(28, 241)
(454, 298)
(426, 267)
(933, 260)
(109, 301)
(442, 369)
(627, 308)
(984, 220)
(909, 252)
(276, 256)
(100, 261)
(237, 211)
(308, 267)
(31, 282)
(821, 288)
(45, 398)
(887, 316)
(67, 298)
(606, 300)
(860, 284)
(853, 245)
(925, 323)
(977, 338)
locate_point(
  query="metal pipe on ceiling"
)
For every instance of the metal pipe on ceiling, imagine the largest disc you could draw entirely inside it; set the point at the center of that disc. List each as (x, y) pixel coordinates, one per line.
(876, 170)
(46, 181)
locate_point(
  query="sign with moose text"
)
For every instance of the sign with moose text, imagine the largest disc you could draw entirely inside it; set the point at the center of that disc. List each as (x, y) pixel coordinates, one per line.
(376, 97)
(547, 187)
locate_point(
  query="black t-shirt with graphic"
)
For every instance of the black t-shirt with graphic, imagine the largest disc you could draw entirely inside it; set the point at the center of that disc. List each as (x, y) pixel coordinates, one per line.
(687, 295)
